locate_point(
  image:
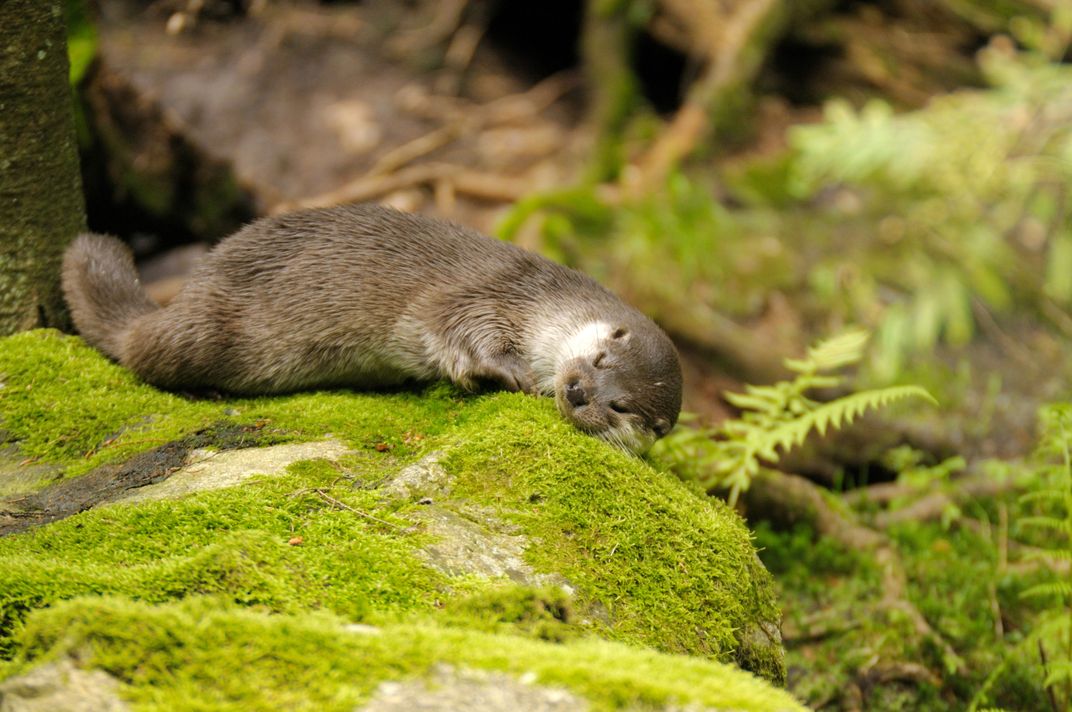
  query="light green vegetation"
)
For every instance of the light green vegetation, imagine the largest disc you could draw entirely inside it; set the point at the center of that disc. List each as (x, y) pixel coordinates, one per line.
(200, 654)
(835, 636)
(989, 583)
(81, 38)
(230, 543)
(602, 543)
(963, 215)
(1044, 528)
(651, 564)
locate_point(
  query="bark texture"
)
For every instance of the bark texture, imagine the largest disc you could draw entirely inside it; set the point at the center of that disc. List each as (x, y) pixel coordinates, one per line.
(41, 204)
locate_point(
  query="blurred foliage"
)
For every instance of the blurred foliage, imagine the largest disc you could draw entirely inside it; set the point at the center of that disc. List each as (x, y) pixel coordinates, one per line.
(776, 417)
(959, 581)
(81, 38)
(837, 630)
(993, 591)
(969, 197)
(919, 226)
(678, 245)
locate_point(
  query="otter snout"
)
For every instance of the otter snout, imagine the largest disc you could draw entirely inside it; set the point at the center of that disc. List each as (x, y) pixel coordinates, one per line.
(576, 393)
(620, 382)
(592, 399)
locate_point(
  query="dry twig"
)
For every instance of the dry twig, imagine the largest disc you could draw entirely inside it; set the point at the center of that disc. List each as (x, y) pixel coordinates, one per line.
(726, 46)
(322, 493)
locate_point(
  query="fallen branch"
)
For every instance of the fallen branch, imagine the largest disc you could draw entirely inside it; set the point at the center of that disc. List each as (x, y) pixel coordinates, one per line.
(463, 120)
(731, 41)
(421, 146)
(725, 46)
(429, 32)
(899, 671)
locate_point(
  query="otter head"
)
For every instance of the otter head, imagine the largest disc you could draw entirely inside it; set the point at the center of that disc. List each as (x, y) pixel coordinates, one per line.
(620, 381)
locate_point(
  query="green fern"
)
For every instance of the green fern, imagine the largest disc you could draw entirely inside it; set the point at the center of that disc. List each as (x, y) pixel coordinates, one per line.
(835, 414)
(779, 417)
(1052, 635)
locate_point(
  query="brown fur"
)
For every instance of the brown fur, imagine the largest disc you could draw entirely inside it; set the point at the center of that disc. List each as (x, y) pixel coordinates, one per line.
(365, 296)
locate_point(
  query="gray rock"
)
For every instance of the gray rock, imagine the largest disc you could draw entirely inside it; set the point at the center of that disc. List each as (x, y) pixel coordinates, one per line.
(479, 543)
(61, 687)
(424, 479)
(472, 691)
(210, 470)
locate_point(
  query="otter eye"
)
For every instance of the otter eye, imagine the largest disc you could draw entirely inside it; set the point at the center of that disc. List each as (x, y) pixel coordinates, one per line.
(619, 333)
(598, 362)
(619, 407)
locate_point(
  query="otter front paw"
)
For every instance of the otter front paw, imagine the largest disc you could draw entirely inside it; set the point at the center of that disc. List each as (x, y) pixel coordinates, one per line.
(510, 372)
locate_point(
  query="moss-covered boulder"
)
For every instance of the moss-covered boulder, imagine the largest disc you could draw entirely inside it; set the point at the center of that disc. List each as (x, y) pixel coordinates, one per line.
(323, 544)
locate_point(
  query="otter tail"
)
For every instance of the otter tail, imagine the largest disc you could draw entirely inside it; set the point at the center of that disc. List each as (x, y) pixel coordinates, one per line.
(102, 290)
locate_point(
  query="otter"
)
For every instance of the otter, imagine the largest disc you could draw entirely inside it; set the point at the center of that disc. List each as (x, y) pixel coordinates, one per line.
(366, 296)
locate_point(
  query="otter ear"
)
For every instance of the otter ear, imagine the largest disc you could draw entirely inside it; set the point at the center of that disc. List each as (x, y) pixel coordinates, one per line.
(661, 427)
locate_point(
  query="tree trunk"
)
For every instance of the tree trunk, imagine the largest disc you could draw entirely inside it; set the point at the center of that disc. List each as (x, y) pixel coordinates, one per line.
(41, 205)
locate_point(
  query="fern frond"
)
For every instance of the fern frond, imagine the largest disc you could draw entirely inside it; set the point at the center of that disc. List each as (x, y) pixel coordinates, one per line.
(760, 399)
(780, 416)
(1059, 671)
(1047, 555)
(1062, 589)
(1056, 496)
(835, 413)
(1044, 522)
(832, 354)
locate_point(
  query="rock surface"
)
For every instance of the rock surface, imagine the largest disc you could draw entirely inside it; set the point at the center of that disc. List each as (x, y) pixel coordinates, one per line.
(208, 469)
(61, 685)
(301, 101)
(471, 691)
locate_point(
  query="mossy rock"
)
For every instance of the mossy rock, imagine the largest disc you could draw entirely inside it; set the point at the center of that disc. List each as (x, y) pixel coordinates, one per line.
(205, 654)
(433, 515)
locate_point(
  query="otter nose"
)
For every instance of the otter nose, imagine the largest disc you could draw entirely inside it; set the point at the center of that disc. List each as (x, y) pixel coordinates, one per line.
(575, 394)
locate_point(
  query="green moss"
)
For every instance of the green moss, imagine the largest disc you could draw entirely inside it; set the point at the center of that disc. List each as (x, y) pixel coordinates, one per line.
(232, 543)
(836, 625)
(542, 612)
(669, 569)
(649, 562)
(958, 584)
(202, 656)
(62, 403)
